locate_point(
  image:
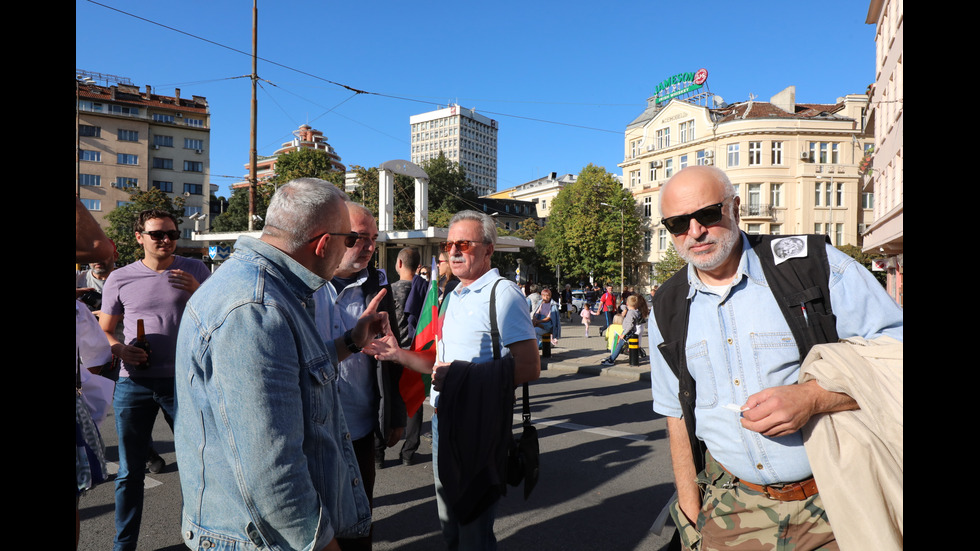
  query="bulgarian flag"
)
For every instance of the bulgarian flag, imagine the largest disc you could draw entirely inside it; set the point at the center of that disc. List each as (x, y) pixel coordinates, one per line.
(414, 386)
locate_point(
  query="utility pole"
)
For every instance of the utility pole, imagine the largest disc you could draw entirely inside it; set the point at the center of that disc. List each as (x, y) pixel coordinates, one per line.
(252, 168)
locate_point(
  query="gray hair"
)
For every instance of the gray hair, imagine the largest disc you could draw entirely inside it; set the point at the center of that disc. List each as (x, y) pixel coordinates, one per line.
(299, 208)
(717, 174)
(489, 226)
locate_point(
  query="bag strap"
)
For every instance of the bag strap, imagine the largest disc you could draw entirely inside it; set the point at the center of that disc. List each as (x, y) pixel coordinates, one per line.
(495, 340)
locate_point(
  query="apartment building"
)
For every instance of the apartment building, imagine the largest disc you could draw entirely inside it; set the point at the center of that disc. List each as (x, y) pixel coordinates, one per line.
(131, 138)
(794, 165)
(885, 176)
(305, 137)
(465, 136)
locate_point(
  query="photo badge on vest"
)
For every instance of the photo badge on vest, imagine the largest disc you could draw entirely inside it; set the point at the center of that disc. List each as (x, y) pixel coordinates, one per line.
(788, 247)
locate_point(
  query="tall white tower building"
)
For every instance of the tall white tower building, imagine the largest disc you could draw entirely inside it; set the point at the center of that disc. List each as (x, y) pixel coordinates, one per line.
(465, 136)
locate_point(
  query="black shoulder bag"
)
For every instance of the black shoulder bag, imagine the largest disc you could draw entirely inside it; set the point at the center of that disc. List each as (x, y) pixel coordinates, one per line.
(522, 458)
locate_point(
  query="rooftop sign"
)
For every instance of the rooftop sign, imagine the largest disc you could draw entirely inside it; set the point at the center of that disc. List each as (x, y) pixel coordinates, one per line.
(680, 84)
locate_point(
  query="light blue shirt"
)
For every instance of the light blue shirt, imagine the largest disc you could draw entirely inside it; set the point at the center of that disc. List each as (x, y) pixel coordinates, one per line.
(739, 344)
(335, 314)
(466, 327)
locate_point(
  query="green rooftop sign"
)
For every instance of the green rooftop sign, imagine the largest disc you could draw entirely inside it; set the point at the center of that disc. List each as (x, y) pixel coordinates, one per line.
(680, 84)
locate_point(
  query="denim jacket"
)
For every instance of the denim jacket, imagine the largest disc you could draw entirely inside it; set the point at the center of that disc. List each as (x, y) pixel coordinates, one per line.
(266, 461)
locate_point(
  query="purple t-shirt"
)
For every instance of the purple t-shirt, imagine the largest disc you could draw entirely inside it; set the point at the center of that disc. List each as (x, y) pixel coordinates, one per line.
(137, 292)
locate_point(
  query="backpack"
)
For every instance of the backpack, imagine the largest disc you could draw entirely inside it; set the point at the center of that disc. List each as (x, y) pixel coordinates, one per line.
(801, 288)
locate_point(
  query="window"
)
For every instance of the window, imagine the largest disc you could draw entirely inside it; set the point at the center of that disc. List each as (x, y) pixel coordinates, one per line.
(776, 195)
(777, 153)
(195, 122)
(160, 162)
(92, 204)
(754, 207)
(167, 187)
(159, 117)
(163, 141)
(190, 211)
(755, 153)
(125, 183)
(838, 234)
(733, 154)
(193, 166)
(647, 241)
(835, 153)
(663, 138)
(635, 148)
(668, 168)
(686, 130)
(190, 143)
(648, 206)
(128, 135)
(127, 159)
(124, 110)
(700, 159)
(753, 229)
(867, 200)
(683, 163)
(634, 178)
(87, 131)
(662, 239)
(87, 155)
(89, 180)
(775, 229)
(653, 171)
(194, 189)
(187, 233)
(839, 195)
(825, 152)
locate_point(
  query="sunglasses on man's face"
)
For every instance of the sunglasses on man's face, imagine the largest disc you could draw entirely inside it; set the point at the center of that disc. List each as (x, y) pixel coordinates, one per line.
(463, 246)
(708, 216)
(158, 235)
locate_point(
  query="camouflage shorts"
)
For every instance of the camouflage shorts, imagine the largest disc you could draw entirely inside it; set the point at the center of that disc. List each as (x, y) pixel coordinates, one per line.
(733, 517)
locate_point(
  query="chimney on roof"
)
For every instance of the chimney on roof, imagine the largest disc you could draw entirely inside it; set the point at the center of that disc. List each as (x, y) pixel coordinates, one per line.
(177, 93)
(149, 91)
(785, 100)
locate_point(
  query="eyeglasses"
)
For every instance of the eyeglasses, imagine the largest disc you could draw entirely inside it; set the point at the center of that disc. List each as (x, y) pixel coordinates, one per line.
(708, 216)
(463, 246)
(158, 235)
(349, 238)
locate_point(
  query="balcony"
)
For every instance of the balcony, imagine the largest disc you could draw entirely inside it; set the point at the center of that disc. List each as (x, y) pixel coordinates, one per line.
(756, 211)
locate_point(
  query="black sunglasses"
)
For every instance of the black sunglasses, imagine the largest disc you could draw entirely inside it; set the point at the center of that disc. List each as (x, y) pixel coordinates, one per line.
(349, 238)
(708, 216)
(463, 246)
(158, 235)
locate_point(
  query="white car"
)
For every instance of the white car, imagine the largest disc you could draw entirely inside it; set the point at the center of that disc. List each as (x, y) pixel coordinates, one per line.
(578, 301)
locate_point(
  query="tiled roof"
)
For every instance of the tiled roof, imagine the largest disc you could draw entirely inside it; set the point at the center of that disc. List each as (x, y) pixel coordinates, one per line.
(766, 110)
(102, 93)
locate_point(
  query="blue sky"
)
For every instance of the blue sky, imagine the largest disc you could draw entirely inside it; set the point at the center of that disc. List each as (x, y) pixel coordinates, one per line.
(562, 78)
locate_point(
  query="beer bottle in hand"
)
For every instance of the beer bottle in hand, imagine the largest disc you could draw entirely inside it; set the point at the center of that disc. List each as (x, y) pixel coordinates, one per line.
(142, 344)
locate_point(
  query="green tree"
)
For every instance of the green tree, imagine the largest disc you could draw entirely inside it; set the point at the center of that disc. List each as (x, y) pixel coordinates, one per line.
(448, 188)
(865, 260)
(235, 217)
(529, 230)
(123, 219)
(306, 163)
(668, 265)
(587, 237)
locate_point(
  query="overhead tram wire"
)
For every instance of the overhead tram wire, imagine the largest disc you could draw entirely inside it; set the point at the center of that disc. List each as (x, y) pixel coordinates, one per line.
(356, 91)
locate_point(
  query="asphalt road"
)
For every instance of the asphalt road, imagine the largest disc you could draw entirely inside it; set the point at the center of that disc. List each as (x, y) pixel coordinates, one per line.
(605, 471)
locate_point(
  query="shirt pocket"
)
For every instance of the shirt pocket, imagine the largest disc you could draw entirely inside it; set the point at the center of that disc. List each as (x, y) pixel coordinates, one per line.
(699, 364)
(322, 385)
(776, 357)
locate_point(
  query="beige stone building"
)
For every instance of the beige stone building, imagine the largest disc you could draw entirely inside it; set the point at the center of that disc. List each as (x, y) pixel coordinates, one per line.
(794, 165)
(131, 138)
(886, 175)
(541, 192)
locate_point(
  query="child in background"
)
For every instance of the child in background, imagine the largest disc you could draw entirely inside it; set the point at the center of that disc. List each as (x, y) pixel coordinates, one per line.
(586, 319)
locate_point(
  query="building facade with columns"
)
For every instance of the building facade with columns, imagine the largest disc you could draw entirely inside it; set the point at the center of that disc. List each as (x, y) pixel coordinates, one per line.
(794, 165)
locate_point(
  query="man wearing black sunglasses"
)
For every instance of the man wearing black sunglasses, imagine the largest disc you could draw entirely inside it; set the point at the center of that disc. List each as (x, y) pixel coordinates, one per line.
(744, 361)
(155, 290)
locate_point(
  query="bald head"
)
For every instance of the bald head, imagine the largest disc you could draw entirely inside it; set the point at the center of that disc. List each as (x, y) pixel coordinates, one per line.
(696, 179)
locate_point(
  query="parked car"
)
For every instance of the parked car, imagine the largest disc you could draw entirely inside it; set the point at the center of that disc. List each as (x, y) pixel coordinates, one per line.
(578, 301)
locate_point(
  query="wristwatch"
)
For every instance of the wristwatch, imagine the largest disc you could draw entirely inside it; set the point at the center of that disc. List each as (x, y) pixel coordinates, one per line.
(349, 342)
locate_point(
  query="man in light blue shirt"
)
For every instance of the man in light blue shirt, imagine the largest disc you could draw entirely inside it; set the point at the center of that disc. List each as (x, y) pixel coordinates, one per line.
(745, 361)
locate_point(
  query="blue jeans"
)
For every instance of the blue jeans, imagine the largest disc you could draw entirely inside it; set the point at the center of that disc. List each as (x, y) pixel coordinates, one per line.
(136, 403)
(477, 535)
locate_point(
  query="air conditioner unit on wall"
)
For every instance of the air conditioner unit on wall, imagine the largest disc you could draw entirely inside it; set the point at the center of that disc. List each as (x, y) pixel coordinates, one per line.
(709, 154)
(658, 164)
(805, 155)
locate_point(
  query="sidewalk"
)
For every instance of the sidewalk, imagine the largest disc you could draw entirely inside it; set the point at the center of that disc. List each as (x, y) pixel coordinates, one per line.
(575, 353)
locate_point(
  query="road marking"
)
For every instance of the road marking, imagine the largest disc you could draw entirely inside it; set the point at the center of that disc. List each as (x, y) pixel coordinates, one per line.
(148, 482)
(518, 418)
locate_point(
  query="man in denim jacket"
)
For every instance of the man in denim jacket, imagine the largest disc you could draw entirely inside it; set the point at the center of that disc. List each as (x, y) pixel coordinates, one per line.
(264, 451)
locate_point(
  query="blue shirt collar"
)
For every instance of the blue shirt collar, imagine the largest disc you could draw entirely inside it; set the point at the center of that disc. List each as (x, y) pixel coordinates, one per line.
(492, 275)
(748, 266)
